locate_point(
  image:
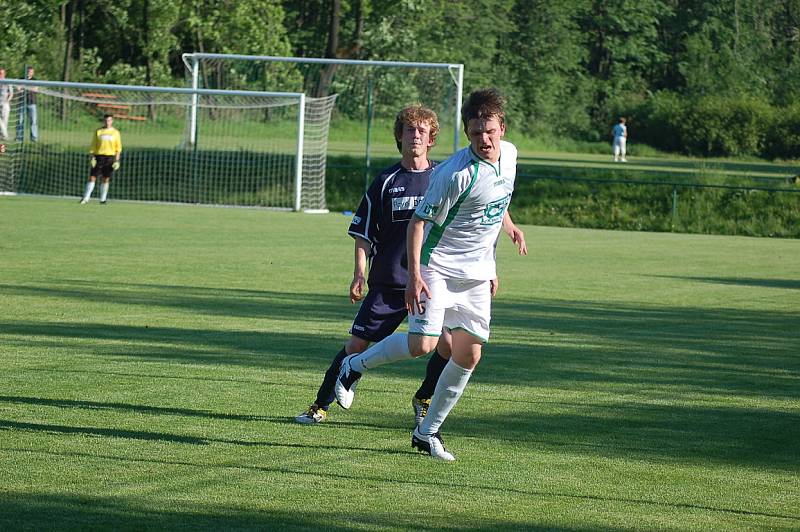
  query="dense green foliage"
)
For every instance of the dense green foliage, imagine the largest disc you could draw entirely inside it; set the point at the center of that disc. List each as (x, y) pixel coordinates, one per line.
(700, 77)
(154, 355)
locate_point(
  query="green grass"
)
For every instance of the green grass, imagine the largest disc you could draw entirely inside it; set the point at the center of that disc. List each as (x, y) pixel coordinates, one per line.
(153, 357)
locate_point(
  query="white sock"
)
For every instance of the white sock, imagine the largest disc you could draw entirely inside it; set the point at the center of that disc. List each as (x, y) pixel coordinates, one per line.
(451, 385)
(103, 191)
(390, 349)
(87, 193)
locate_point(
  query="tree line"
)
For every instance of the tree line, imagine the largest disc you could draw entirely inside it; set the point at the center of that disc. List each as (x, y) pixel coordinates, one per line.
(693, 76)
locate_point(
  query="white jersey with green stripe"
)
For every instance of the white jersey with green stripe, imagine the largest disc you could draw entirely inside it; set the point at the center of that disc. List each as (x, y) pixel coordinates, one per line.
(465, 202)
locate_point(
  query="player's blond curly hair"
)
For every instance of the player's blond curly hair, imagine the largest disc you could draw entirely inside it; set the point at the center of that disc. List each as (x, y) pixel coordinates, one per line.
(412, 115)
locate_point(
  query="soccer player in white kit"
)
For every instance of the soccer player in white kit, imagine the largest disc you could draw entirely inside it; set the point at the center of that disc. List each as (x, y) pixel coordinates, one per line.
(451, 247)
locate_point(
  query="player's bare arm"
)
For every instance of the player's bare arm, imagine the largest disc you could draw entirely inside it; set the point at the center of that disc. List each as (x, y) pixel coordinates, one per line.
(362, 248)
(515, 233)
(416, 286)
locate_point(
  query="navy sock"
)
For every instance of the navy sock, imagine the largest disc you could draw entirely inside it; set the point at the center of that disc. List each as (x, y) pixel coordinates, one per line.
(325, 394)
(435, 367)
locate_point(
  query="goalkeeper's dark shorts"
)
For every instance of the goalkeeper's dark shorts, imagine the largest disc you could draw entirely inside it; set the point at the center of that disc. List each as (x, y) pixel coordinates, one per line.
(104, 166)
(382, 311)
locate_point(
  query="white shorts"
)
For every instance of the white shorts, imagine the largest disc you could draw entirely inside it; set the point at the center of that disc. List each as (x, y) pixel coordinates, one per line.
(455, 304)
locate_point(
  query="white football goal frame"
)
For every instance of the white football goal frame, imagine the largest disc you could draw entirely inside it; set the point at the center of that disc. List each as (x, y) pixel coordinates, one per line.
(195, 92)
(456, 71)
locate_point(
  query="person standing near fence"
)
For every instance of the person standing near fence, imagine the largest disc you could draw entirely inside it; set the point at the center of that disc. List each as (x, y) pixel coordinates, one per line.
(620, 133)
(106, 151)
(6, 93)
(30, 110)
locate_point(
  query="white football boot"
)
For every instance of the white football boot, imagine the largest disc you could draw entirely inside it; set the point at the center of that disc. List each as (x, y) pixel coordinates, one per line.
(431, 444)
(345, 387)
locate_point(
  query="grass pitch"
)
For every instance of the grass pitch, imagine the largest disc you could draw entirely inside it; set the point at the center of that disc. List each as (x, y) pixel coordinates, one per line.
(153, 357)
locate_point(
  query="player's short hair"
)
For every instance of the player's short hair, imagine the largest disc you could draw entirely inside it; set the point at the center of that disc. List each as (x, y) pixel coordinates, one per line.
(412, 115)
(484, 104)
(622, 120)
(107, 116)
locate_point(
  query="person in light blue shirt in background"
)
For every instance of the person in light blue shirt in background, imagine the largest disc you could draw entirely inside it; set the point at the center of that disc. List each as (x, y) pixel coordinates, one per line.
(620, 133)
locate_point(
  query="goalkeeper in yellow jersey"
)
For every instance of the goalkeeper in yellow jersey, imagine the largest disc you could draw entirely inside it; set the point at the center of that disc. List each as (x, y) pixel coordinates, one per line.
(106, 150)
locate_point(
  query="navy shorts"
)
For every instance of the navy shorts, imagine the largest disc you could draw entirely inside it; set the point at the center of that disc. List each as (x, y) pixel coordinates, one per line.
(381, 313)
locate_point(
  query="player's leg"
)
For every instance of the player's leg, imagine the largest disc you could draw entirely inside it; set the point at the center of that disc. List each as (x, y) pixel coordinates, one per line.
(469, 324)
(104, 187)
(451, 385)
(398, 346)
(5, 111)
(616, 149)
(20, 126)
(423, 333)
(87, 192)
(34, 123)
(623, 148)
(421, 400)
(318, 411)
(378, 316)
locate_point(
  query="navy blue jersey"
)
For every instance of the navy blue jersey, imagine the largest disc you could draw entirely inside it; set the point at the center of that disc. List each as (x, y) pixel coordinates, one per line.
(382, 219)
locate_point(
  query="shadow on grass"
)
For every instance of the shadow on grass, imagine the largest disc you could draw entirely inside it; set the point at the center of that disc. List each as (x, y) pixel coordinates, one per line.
(146, 435)
(711, 350)
(126, 407)
(638, 354)
(731, 341)
(757, 438)
(200, 300)
(433, 486)
(203, 346)
(785, 284)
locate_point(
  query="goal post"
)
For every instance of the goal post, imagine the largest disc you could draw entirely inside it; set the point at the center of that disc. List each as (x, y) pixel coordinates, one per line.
(369, 93)
(456, 71)
(214, 146)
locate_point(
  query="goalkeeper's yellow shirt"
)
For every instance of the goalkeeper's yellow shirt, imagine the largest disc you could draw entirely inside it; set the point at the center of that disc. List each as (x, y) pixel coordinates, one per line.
(106, 141)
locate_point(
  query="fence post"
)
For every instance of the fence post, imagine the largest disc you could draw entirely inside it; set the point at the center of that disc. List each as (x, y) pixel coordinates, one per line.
(674, 205)
(370, 112)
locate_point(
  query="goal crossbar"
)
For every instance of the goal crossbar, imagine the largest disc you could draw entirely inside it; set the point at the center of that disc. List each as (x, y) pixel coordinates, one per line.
(456, 70)
(146, 88)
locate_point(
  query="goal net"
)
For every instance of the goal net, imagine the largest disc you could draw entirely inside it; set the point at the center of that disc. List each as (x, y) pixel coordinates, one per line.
(369, 93)
(219, 147)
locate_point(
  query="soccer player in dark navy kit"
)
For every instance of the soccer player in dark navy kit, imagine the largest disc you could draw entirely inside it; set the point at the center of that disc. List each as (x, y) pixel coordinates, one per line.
(379, 229)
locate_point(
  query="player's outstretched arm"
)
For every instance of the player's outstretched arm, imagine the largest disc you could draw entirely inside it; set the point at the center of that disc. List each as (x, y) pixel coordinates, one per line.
(359, 283)
(515, 234)
(416, 285)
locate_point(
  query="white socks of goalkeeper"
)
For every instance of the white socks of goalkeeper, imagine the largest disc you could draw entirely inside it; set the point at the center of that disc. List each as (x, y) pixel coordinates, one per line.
(390, 349)
(87, 193)
(103, 191)
(451, 385)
